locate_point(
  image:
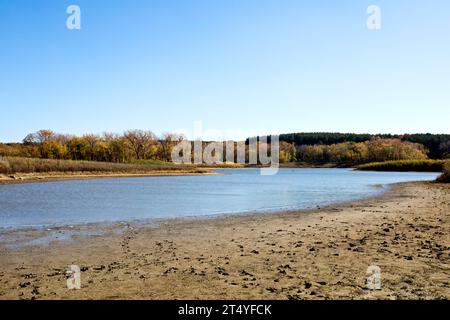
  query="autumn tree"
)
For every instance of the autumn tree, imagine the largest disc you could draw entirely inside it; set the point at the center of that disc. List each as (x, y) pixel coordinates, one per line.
(142, 143)
(44, 141)
(287, 152)
(444, 147)
(314, 153)
(101, 151)
(39, 137)
(167, 142)
(77, 148)
(53, 150)
(117, 147)
(394, 149)
(347, 152)
(90, 140)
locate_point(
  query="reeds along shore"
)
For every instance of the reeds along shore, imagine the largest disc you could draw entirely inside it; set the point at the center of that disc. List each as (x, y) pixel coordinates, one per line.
(405, 165)
(412, 165)
(13, 165)
(445, 177)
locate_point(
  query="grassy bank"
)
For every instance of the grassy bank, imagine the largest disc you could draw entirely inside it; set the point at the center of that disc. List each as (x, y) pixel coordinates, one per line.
(405, 165)
(445, 177)
(13, 165)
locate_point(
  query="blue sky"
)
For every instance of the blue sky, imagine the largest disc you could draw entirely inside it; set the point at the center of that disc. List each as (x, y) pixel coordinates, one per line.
(269, 65)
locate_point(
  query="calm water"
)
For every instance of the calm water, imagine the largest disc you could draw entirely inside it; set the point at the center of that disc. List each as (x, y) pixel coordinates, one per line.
(233, 191)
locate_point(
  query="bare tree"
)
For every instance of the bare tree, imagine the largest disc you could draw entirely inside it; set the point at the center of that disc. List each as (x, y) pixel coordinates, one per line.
(141, 142)
(168, 142)
(91, 140)
(39, 137)
(116, 145)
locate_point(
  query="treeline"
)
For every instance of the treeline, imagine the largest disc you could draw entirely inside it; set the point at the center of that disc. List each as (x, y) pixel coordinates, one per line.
(139, 145)
(127, 147)
(437, 145)
(133, 146)
(351, 153)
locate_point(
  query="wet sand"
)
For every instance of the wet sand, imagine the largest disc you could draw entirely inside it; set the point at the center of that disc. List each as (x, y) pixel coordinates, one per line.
(316, 254)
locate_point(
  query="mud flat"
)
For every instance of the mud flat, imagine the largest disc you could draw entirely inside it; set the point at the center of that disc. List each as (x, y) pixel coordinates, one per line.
(316, 254)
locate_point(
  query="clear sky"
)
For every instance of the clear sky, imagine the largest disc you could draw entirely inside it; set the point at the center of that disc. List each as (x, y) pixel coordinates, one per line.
(268, 65)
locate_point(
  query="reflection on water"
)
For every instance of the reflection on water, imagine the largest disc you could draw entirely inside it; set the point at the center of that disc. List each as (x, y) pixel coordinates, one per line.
(232, 191)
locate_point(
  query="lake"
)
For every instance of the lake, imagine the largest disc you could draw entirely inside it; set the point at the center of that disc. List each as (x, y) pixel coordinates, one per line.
(70, 202)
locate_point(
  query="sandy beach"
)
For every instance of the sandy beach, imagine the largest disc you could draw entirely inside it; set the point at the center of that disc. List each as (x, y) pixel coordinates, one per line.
(317, 254)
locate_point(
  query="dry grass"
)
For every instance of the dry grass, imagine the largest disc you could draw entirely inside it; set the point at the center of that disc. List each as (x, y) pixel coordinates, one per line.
(445, 177)
(405, 165)
(13, 165)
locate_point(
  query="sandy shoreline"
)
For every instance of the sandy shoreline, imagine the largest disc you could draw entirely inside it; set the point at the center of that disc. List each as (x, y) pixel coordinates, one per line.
(316, 254)
(58, 176)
